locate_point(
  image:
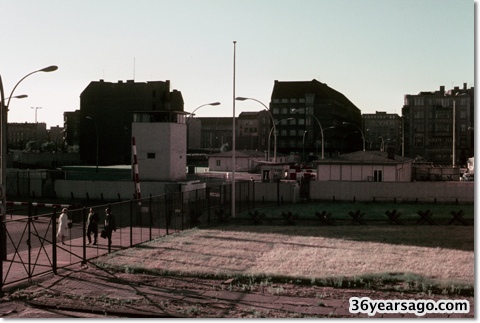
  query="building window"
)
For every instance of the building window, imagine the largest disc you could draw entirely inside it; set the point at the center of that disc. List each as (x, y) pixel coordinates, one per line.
(377, 176)
(301, 121)
(463, 114)
(284, 100)
(275, 111)
(276, 100)
(419, 101)
(217, 162)
(463, 128)
(150, 155)
(284, 110)
(419, 141)
(293, 100)
(292, 132)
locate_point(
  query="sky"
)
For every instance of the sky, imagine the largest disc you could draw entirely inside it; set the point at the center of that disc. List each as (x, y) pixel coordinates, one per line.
(372, 51)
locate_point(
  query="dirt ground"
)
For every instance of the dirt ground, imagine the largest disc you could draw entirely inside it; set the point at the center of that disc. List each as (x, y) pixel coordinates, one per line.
(93, 293)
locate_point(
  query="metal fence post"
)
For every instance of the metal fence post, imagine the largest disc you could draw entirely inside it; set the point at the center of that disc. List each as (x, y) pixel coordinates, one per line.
(131, 222)
(29, 244)
(150, 215)
(54, 241)
(207, 191)
(182, 208)
(84, 227)
(166, 214)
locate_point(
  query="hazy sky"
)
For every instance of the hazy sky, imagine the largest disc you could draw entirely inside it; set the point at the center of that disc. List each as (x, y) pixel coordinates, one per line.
(373, 51)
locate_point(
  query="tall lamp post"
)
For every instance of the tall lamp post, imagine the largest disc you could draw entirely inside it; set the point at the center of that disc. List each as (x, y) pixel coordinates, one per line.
(191, 116)
(275, 136)
(453, 126)
(96, 133)
(363, 137)
(274, 126)
(321, 131)
(303, 155)
(3, 157)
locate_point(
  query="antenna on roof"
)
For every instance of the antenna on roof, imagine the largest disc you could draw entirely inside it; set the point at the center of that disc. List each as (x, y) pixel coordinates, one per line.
(134, 68)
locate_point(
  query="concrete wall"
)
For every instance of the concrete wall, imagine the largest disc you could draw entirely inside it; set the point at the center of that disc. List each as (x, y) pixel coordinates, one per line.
(390, 191)
(286, 191)
(110, 190)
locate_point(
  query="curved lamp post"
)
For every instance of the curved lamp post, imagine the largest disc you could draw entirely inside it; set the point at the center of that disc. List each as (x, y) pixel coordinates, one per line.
(363, 137)
(274, 129)
(96, 132)
(193, 112)
(303, 155)
(190, 116)
(3, 157)
(274, 126)
(321, 131)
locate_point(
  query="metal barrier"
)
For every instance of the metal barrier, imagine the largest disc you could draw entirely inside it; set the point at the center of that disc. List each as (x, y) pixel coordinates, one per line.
(32, 247)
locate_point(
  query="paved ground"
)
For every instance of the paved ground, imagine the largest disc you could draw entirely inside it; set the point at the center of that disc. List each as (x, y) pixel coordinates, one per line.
(87, 291)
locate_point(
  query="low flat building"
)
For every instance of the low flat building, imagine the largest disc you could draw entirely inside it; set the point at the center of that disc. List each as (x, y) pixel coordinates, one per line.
(372, 166)
(245, 161)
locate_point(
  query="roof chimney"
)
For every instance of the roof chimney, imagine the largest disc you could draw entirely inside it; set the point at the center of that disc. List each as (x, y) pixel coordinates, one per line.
(464, 86)
(442, 89)
(391, 152)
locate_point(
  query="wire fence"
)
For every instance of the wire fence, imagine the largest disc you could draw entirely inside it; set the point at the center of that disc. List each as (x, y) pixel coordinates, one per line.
(30, 246)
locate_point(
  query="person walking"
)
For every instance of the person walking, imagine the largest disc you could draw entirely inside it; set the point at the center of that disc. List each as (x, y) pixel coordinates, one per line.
(110, 225)
(62, 226)
(92, 226)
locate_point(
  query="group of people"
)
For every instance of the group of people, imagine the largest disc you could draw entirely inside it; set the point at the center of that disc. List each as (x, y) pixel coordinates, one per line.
(92, 226)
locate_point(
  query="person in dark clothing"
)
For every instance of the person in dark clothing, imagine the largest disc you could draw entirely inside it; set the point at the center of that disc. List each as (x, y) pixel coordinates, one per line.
(110, 225)
(92, 226)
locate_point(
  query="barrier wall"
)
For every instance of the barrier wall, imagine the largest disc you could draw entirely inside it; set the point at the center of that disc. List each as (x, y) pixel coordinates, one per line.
(462, 192)
(284, 191)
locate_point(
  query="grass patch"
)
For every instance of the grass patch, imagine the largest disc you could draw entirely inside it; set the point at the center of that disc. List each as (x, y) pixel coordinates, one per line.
(404, 258)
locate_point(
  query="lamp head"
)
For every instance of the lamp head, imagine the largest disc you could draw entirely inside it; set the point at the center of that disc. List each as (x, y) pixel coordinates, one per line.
(240, 98)
(215, 103)
(49, 68)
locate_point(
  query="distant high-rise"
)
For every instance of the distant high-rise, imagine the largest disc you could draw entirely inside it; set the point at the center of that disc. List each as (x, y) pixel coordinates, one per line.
(429, 129)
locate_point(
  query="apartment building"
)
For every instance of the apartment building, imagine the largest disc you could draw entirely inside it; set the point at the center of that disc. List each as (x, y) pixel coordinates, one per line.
(306, 111)
(383, 130)
(438, 125)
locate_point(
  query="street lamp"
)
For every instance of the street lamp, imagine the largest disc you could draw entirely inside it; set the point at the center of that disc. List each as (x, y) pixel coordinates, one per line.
(193, 112)
(321, 131)
(303, 154)
(345, 136)
(273, 122)
(274, 129)
(363, 137)
(96, 132)
(36, 108)
(191, 116)
(453, 127)
(3, 150)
